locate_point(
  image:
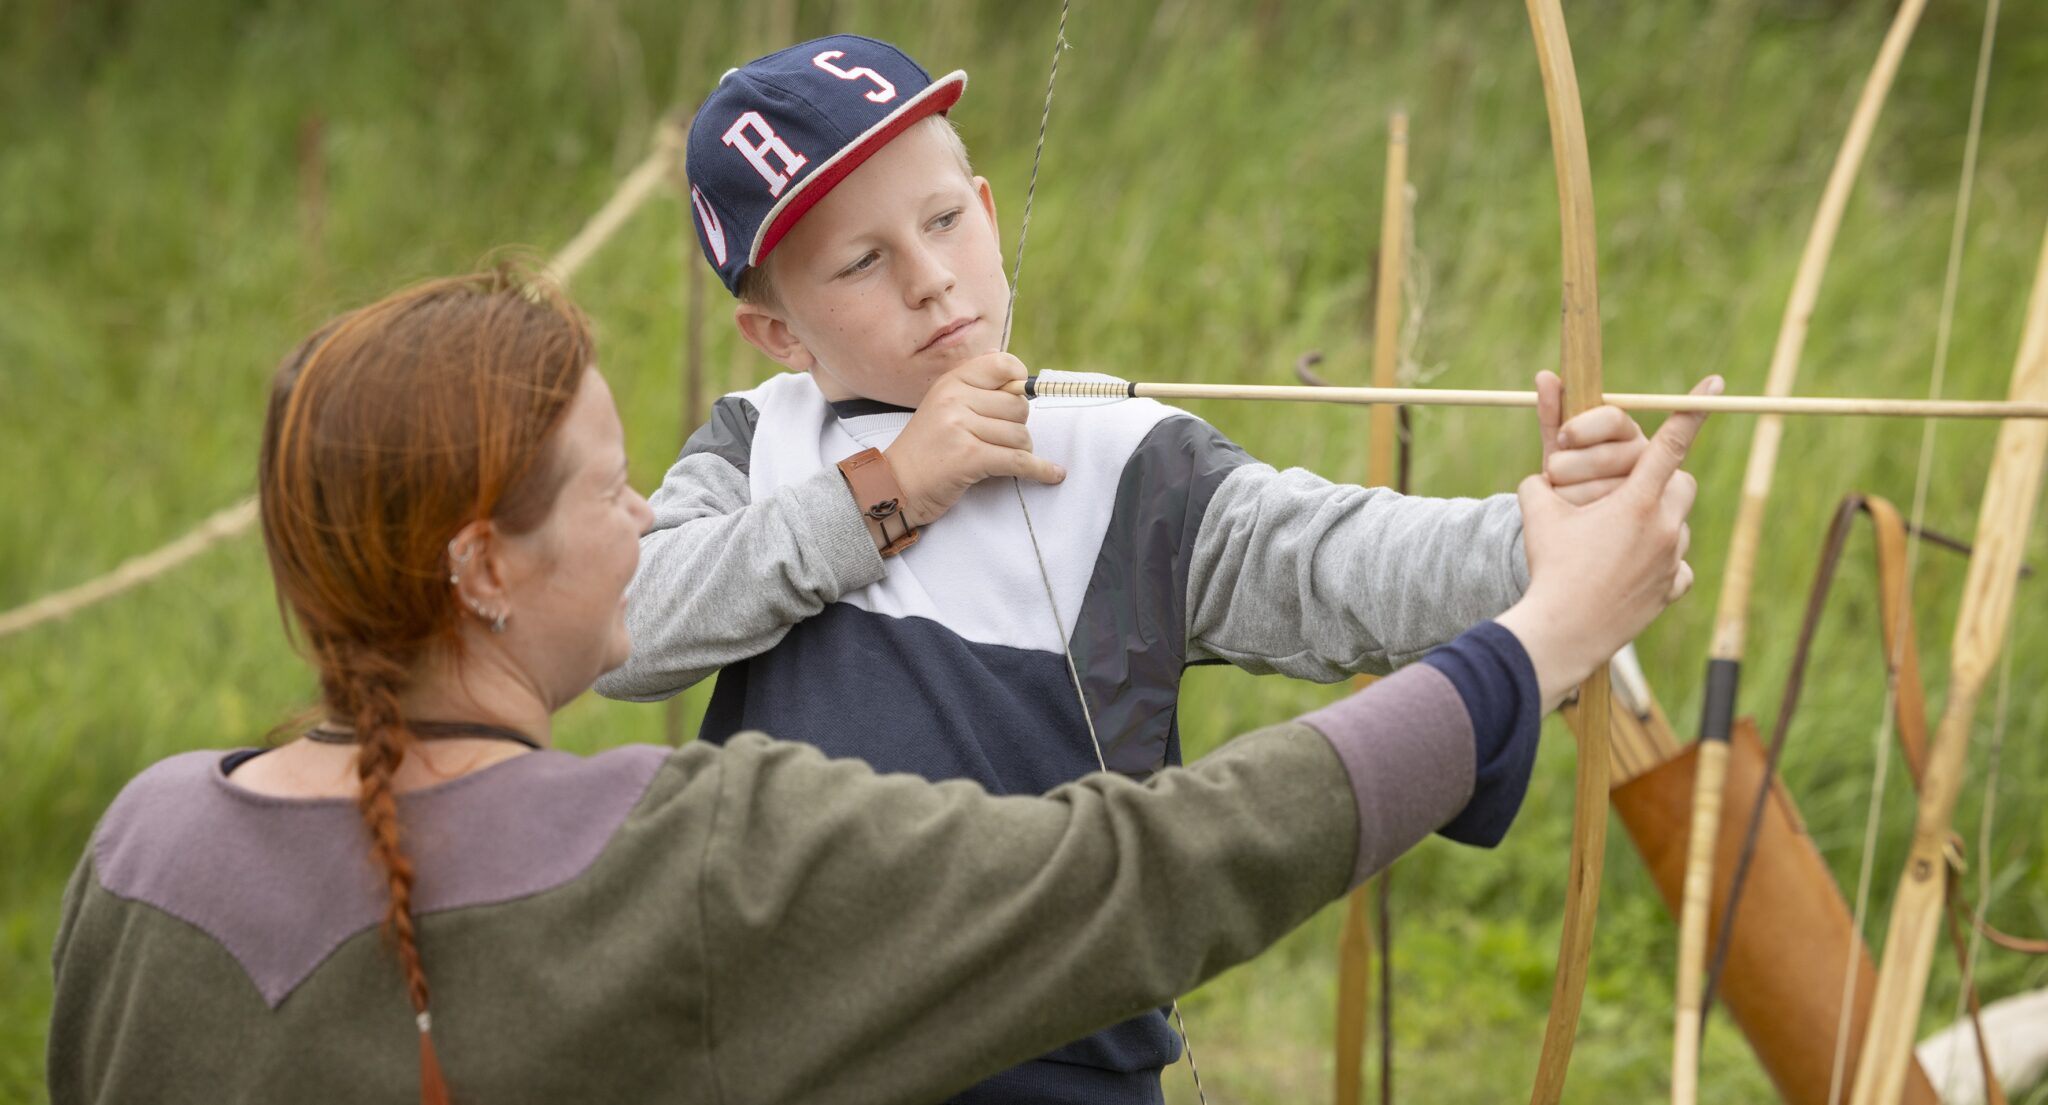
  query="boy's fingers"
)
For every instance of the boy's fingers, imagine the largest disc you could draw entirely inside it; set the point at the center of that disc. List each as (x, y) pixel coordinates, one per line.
(1679, 494)
(1589, 491)
(1549, 409)
(1536, 495)
(1601, 424)
(991, 371)
(1030, 466)
(1680, 584)
(998, 404)
(1001, 433)
(1615, 459)
(1674, 439)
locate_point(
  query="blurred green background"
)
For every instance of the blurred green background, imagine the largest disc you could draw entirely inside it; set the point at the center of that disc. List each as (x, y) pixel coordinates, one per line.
(186, 189)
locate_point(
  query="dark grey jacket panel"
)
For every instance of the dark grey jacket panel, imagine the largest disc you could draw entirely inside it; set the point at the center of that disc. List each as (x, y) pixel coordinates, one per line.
(1130, 640)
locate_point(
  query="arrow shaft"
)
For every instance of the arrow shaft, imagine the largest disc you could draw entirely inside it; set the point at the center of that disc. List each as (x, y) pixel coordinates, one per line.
(1041, 387)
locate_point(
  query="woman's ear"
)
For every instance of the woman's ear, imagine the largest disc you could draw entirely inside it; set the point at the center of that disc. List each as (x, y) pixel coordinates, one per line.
(478, 572)
(771, 334)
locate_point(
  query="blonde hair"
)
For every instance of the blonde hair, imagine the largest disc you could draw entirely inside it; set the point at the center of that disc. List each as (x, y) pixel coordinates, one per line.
(757, 286)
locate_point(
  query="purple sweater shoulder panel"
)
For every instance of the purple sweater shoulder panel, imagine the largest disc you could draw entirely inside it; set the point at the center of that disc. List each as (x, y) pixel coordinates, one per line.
(282, 882)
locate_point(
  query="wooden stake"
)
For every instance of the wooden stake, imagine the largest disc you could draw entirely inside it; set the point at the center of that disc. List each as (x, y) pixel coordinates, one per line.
(1354, 947)
(1386, 319)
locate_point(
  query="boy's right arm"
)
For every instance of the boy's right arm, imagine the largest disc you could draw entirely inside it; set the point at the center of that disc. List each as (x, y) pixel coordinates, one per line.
(722, 577)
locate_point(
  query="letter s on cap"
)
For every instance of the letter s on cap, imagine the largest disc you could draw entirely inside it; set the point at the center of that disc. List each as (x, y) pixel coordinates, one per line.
(883, 92)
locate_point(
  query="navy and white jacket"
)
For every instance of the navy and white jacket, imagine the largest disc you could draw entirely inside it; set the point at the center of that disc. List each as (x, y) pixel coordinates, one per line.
(1166, 545)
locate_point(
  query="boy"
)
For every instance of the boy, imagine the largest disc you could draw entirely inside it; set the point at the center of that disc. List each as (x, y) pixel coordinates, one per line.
(834, 545)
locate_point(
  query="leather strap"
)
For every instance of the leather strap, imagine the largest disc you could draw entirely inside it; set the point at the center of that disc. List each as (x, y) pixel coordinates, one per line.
(430, 730)
(1900, 644)
(879, 497)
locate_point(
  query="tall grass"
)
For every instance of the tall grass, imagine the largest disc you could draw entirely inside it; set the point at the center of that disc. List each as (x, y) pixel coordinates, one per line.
(1206, 211)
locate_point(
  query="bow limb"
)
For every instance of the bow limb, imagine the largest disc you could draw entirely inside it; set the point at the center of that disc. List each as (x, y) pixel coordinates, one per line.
(1581, 371)
(2003, 521)
(1724, 665)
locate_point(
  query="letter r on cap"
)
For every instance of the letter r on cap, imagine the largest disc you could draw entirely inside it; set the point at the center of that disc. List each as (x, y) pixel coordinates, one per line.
(756, 153)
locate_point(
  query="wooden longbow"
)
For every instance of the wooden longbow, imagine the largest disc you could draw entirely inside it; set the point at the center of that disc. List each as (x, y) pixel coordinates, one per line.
(1724, 665)
(1580, 355)
(2003, 522)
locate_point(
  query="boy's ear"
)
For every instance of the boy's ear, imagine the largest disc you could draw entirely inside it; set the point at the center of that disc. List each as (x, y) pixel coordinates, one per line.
(767, 332)
(988, 201)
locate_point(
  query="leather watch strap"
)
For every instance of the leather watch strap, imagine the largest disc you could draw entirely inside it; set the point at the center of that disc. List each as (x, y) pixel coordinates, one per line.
(879, 498)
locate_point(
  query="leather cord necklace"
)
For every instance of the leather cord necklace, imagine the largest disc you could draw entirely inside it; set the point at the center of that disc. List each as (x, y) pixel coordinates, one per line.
(431, 730)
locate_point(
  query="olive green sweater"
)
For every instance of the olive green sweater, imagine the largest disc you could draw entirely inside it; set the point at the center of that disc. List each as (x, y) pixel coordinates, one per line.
(746, 924)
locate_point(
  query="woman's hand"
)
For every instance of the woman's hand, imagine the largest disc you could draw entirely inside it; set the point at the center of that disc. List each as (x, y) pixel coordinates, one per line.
(1603, 567)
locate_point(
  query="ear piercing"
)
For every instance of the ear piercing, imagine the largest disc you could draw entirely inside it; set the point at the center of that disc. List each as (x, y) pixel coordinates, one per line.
(497, 621)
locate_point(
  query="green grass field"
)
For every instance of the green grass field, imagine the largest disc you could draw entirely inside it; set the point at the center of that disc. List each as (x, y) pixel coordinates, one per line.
(1207, 211)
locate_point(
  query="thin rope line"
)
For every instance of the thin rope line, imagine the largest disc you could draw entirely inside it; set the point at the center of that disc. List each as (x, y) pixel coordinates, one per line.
(1923, 478)
(1995, 753)
(1059, 46)
(234, 521)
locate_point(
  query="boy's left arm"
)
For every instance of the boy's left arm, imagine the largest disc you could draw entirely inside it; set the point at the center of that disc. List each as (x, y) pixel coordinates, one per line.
(1291, 573)
(1294, 574)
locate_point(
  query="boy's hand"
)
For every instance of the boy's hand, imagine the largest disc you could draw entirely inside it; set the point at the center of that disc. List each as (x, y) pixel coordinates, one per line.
(1589, 456)
(1602, 571)
(966, 430)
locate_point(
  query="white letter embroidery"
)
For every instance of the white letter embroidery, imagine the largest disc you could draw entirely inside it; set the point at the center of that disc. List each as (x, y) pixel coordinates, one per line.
(714, 232)
(757, 154)
(884, 91)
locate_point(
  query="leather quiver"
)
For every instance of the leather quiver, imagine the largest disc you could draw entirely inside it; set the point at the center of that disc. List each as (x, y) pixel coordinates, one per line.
(1783, 979)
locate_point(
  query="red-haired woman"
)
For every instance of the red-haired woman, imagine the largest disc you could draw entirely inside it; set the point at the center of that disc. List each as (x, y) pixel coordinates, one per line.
(447, 513)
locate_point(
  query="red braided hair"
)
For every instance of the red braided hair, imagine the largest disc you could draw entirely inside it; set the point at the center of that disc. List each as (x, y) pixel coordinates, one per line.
(389, 430)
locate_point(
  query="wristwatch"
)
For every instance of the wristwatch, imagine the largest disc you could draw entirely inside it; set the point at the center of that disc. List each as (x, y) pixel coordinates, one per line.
(879, 498)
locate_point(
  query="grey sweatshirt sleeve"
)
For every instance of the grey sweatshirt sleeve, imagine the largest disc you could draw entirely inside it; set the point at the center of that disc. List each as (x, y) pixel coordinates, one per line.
(1297, 575)
(722, 577)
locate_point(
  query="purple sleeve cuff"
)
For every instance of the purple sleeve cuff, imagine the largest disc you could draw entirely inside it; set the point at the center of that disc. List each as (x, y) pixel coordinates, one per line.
(1445, 745)
(1406, 743)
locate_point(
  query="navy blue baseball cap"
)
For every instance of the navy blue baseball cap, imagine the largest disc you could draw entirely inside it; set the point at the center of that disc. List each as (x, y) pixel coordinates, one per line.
(782, 131)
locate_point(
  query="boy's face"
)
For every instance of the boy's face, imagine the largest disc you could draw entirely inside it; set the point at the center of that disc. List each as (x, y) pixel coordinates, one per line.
(893, 279)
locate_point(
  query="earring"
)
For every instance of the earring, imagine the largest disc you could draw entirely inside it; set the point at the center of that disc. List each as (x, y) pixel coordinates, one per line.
(497, 621)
